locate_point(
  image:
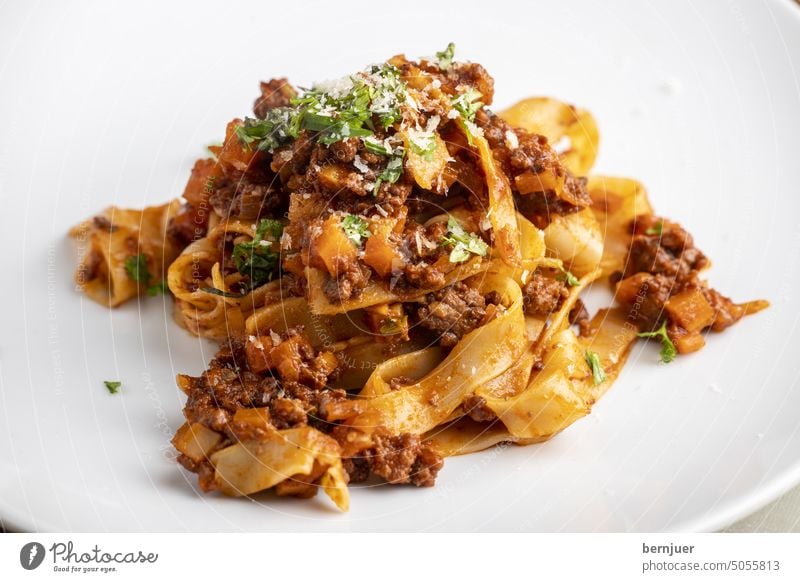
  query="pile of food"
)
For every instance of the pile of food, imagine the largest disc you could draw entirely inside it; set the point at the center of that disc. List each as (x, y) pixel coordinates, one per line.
(393, 272)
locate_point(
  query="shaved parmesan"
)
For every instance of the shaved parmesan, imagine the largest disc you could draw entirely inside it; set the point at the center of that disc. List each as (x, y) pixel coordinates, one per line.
(564, 144)
(511, 140)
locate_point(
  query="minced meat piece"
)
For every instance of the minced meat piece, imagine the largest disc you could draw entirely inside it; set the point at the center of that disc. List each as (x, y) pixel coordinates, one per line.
(646, 302)
(247, 200)
(348, 284)
(225, 387)
(403, 459)
(543, 295)
(663, 247)
(579, 316)
(274, 93)
(290, 379)
(188, 225)
(475, 407)
(452, 313)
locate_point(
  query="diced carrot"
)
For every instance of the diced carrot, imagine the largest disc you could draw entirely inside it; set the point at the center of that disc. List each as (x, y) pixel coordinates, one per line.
(689, 343)
(690, 310)
(201, 181)
(331, 249)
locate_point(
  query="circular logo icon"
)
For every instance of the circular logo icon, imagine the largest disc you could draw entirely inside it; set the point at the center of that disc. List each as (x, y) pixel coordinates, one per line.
(31, 555)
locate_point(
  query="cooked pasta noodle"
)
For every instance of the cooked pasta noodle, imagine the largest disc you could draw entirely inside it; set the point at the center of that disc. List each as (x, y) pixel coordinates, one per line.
(394, 274)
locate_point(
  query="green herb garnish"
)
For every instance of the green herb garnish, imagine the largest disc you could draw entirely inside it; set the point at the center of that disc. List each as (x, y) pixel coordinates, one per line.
(160, 288)
(355, 228)
(467, 104)
(658, 229)
(334, 111)
(445, 58)
(111, 386)
(392, 172)
(136, 267)
(463, 243)
(281, 125)
(569, 278)
(376, 147)
(423, 145)
(593, 361)
(668, 350)
(259, 259)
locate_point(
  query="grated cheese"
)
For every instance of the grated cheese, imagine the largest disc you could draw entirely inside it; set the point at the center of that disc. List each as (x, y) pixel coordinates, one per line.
(360, 164)
(336, 88)
(564, 144)
(511, 140)
(276, 339)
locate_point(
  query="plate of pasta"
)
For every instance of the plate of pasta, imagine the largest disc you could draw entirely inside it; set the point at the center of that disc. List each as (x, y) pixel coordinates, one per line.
(387, 298)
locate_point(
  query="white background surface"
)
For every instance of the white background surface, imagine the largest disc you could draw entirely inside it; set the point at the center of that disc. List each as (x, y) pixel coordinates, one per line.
(103, 104)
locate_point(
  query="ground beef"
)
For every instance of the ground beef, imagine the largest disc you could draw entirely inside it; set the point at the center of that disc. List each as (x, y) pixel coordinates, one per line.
(533, 154)
(423, 275)
(248, 200)
(225, 387)
(274, 93)
(348, 284)
(662, 261)
(358, 469)
(474, 75)
(646, 307)
(293, 359)
(664, 248)
(204, 470)
(543, 295)
(295, 390)
(403, 459)
(579, 316)
(452, 313)
(475, 407)
(188, 225)
(726, 312)
(345, 150)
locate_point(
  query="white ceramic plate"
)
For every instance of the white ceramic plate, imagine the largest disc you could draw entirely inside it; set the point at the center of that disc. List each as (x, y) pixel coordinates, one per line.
(105, 104)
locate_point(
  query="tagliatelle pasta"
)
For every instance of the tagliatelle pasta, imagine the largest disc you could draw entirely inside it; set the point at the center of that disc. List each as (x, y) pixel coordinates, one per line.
(394, 274)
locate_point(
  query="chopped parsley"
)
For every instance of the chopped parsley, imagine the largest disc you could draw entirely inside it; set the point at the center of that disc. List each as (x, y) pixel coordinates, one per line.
(467, 104)
(355, 228)
(112, 386)
(392, 172)
(668, 350)
(423, 141)
(335, 110)
(424, 146)
(657, 230)
(376, 146)
(463, 243)
(257, 259)
(281, 125)
(593, 361)
(569, 278)
(160, 288)
(445, 58)
(136, 267)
